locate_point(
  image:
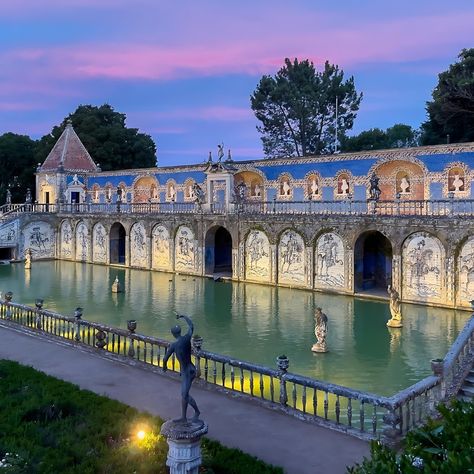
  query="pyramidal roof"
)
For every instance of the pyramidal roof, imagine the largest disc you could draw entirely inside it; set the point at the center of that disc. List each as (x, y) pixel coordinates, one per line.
(70, 153)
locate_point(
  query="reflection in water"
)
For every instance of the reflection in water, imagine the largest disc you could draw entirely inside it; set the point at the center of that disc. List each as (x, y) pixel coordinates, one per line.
(251, 322)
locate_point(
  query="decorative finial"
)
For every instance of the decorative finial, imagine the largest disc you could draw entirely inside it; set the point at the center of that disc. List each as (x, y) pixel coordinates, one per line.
(209, 159)
(229, 156)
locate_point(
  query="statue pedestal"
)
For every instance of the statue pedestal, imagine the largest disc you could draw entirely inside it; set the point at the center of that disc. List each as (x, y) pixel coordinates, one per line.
(394, 323)
(320, 347)
(184, 441)
(116, 288)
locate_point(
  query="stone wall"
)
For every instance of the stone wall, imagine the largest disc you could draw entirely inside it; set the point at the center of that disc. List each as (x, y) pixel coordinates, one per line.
(432, 258)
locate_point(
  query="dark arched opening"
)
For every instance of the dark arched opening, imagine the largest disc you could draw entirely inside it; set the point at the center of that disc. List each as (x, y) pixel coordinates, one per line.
(219, 251)
(372, 263)
(117, 244)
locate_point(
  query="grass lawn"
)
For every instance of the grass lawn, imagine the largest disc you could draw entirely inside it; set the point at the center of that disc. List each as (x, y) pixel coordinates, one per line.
(51, 426)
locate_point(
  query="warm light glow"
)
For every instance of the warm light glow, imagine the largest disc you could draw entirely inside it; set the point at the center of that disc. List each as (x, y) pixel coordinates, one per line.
(141, 434)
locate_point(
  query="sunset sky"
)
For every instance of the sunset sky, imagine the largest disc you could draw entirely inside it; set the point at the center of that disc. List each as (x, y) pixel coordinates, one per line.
(184, 71)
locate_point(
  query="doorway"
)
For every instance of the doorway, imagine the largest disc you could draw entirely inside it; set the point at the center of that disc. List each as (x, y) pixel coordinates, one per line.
(117, 244)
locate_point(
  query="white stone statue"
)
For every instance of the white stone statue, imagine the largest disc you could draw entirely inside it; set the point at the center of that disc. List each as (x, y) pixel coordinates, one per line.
(116, 288)
(344, 186)
(28, 256)
(172, 192)
(314, 188)
(405, 185)
(395, 309)
(75, 180)
(286, 188)
(320, 331)
(458, 183)
(257, 191)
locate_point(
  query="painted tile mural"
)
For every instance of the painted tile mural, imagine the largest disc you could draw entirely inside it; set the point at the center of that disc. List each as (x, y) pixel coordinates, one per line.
(329, 262)
(138, 246)
(99, 245)
(160, 248)
(257, 256)
(39, 237)
(9, 234)
(422, 267)
(82, 242)
(466, 273)
(291, 258)
(66, 248)
(185, 249)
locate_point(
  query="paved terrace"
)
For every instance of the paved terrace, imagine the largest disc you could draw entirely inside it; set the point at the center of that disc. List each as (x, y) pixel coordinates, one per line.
(297, 446)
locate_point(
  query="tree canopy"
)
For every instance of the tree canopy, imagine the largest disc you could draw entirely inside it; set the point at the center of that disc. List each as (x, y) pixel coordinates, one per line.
(297, 108)
(17, 156)
(451, 112)
(103, 132)
(398, 136)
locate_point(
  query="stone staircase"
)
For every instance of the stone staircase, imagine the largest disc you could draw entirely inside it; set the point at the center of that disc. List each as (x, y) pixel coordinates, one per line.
(467, 390)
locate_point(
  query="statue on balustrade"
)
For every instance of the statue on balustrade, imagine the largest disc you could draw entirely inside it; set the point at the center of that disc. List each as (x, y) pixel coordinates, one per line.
(182, 349)
(198, 194)
(374, 190)
(395, 308)
(320, 331)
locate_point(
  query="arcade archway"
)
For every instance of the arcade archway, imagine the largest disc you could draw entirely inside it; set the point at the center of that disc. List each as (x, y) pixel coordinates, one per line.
(218, 251)
(117, 244)
(372, 263)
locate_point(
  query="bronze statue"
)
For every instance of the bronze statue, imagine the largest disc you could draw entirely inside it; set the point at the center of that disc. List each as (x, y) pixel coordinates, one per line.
(374, 190)
(182, 348)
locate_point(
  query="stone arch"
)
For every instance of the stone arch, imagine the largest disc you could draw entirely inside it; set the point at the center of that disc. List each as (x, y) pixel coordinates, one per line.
(117, 243)
(291, 256)
(218, 251)
(139, 253)
(257, 256)
(185, 249)
(161, 245)
(285, 186)
(423, 268)
(66, 243)
(145, 189)
(373, 254)
(82, 242)
(99, 243)
(330, 262)
(465, 272)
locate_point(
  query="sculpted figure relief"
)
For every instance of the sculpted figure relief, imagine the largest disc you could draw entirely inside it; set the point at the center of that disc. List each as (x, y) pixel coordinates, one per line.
(182, 348)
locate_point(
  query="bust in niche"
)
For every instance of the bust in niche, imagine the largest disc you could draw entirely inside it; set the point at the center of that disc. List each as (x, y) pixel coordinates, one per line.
(458, 183)
(344, 186)
(314, 188)
(285, 188)
(404, 185)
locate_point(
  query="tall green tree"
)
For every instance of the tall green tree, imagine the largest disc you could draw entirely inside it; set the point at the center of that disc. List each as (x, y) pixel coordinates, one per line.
(107, 138)
(451, 112)
(297, 108)
(17, 158)
(398, 136)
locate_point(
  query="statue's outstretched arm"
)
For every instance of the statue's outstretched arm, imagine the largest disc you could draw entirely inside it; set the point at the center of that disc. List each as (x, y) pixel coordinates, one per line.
(189, 321)
(168, 353)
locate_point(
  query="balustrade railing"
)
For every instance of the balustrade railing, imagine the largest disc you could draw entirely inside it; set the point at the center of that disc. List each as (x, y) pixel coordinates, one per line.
(399, 207)
(359, 413)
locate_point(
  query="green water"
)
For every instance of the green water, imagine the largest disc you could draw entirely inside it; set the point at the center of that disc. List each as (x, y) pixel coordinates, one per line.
(252, 322)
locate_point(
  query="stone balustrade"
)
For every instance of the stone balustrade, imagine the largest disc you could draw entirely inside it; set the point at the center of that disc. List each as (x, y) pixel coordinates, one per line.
(358, 413)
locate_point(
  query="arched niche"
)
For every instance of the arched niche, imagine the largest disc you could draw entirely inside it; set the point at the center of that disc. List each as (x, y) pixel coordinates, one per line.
(161, 248)
(253, 182)
(185, 250)
(257, 256)
(66, 247)
(138, 246)
(291, 258)
(82, 242)
(117, 243)
(145, 189)
(423, 268)
(99, 244)
(329, 262)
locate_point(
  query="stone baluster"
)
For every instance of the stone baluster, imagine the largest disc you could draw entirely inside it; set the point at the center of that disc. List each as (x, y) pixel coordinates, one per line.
(196, 343)
(39, 305)
(131, 326)
(8, 300)
(78, 315)
(283, 363)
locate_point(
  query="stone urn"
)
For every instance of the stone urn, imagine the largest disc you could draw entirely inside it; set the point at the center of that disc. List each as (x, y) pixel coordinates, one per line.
(437, 366)
(132, 325)
(283, 362)
(196, 342)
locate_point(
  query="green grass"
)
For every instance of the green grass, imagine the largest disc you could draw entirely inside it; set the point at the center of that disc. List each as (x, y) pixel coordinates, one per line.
(51, 426)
